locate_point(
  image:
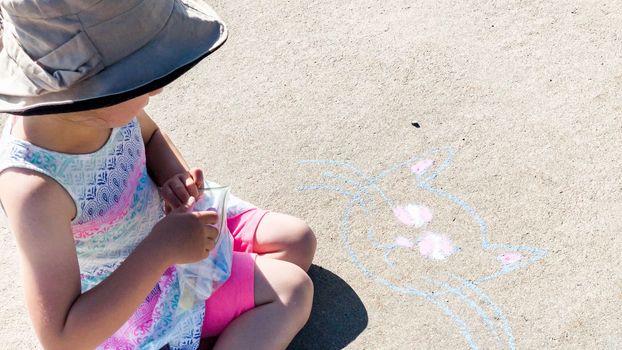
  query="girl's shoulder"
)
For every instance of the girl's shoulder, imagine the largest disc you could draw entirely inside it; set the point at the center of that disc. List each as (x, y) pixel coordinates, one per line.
(87, 180)
(28, 193)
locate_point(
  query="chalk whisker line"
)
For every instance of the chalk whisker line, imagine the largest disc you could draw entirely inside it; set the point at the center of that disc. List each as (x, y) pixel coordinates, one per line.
(353, 196)
(486, 299)
(371, 181)
(470, 304)
(360, 188)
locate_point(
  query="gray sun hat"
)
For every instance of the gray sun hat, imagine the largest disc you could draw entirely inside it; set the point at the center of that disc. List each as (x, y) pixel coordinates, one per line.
(75, 55)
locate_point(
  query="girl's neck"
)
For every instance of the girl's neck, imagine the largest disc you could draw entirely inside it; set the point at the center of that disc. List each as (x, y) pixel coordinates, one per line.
(60, 135)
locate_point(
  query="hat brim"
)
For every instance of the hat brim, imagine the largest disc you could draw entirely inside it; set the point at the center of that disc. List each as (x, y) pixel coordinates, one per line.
(191, 34)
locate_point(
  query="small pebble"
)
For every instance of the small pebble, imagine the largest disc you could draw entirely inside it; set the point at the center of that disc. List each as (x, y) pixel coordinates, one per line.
(416, 125)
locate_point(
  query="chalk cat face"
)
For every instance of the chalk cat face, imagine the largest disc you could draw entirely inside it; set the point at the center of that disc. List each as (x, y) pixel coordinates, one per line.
(404, 231)
(404, 226)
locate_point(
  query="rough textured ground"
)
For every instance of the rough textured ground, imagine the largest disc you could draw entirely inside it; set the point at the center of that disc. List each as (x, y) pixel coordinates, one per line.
(520, 100)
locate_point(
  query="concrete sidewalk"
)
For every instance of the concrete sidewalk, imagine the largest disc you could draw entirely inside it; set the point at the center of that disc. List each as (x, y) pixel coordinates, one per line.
(491, 225)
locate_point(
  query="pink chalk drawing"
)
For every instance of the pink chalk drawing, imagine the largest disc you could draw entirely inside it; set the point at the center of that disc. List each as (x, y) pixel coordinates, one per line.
(421, 166)
(448, 260)
(509, 258)
(404, 242)
(413, 215)
(435, 246)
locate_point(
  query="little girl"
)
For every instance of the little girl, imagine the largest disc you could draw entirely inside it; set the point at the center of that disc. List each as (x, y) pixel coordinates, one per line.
(84, 170)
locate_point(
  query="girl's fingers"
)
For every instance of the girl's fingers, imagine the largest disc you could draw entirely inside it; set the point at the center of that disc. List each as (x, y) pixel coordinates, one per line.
(180, 190)
(197, 175)
(191, 187)
(185, 207)
(211, 233)
(207, 217)
(169, 197)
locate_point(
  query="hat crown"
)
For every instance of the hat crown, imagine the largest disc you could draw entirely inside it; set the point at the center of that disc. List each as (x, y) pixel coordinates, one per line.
(59, 43)
(46, 9)
(76, 55)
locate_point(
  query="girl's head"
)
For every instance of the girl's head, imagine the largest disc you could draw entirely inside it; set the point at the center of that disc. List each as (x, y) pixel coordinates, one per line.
(64, 56)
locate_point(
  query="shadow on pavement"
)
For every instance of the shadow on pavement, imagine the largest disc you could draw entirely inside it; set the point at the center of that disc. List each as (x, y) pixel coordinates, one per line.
(338, 315)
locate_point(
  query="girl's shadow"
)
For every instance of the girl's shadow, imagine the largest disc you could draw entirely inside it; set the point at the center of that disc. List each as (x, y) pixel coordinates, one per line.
(338, 315)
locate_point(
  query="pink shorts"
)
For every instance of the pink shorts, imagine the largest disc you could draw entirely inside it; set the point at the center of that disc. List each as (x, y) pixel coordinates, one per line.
(237, 295)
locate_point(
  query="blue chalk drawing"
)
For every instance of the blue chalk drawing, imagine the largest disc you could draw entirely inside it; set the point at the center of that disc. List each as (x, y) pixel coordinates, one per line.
(360, 188)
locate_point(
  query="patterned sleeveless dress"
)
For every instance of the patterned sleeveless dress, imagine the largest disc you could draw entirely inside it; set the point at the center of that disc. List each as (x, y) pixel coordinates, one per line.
(117, 206)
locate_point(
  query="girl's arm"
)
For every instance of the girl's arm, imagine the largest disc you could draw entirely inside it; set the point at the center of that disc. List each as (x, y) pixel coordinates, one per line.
(166, 165)
(39, 212)
(163, 159)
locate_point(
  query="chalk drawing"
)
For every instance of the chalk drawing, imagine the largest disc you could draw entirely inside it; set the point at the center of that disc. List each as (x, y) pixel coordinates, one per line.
(404, 242)
(509, 258)
(435, 246)
(427, 246)
(413, 215)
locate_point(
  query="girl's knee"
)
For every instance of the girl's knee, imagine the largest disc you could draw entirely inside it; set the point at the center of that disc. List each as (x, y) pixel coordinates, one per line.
(308, 239)
(305, 244)
(299, 296)
(296, 293)
(285, 284)
(287, 238)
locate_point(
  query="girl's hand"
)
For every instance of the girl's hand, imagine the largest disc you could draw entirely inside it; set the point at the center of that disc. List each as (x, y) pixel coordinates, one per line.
(177, 190)
(185, 236)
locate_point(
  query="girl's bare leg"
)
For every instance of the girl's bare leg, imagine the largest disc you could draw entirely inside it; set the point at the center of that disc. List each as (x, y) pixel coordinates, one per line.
(284, 237)
(283, 298)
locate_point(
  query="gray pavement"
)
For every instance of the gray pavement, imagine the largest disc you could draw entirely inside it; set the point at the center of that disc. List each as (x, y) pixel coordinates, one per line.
(309, 108)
